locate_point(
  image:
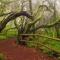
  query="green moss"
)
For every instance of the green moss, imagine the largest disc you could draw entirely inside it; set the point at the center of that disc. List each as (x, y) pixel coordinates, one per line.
(2, 56)
(2, 37)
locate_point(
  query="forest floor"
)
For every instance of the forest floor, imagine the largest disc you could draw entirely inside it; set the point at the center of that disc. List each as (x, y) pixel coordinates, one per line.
(12, 51)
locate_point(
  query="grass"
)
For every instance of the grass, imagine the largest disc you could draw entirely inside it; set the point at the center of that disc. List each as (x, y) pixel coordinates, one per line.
(50, 43)
(2, 37)
(9, 34)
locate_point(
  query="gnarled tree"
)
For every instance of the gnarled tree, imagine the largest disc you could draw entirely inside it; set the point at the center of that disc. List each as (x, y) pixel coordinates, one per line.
(12, 17)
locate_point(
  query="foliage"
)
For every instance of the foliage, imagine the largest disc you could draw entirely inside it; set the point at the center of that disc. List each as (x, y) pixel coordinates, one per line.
(41, 23)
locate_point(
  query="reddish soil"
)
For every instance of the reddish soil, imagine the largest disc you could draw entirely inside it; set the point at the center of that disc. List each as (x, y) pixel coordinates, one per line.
(18, 52)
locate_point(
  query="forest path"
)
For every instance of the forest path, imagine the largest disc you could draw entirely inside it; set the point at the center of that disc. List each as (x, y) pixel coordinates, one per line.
(13, 51)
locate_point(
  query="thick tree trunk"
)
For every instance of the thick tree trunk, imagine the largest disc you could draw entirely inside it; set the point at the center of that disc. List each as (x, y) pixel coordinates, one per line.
(21, 39)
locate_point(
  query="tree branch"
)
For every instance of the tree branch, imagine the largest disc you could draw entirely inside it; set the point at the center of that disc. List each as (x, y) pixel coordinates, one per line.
(12, 17)
(4, 14)
(46, 26)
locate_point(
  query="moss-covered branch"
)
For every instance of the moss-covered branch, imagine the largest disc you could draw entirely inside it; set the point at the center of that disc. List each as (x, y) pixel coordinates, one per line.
(12, 17)
(47, 26)
(57, 39)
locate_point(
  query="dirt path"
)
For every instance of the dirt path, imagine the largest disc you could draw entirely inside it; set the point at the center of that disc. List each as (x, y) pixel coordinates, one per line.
(14, 52)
